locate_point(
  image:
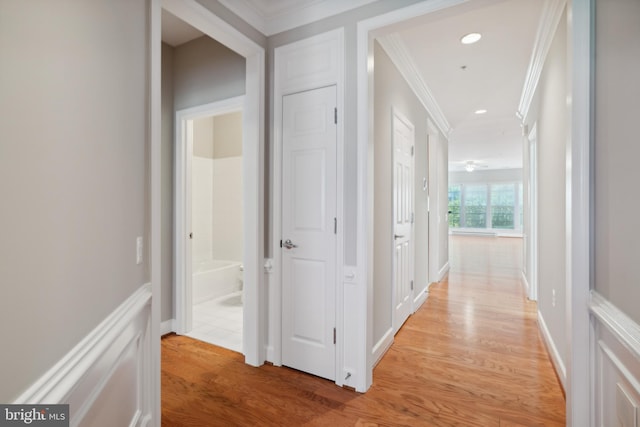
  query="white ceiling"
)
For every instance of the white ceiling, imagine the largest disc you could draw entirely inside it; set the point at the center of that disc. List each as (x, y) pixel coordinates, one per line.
(274, 16)
(493, 78)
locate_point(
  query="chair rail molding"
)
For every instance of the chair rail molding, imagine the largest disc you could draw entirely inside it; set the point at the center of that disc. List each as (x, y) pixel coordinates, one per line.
(109, 367)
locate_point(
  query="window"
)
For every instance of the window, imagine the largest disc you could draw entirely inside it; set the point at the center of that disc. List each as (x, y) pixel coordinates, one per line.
(503, 205)
(485, 205)
(475, 206)
(455, 199)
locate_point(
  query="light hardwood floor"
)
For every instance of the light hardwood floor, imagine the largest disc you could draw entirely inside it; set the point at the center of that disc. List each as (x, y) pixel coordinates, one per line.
(470, 356)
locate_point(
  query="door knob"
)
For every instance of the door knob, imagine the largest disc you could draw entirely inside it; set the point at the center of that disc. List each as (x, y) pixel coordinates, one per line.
(398, 236)
(289, 244)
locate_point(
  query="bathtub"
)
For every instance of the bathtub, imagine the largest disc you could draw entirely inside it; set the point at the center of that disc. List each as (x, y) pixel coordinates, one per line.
(215, 278)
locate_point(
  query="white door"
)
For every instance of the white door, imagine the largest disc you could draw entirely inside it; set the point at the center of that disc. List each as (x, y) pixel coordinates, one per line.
(403, 191)
(309, 135)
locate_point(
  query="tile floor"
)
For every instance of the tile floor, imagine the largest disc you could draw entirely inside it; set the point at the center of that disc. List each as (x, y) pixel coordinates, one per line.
(219, 321)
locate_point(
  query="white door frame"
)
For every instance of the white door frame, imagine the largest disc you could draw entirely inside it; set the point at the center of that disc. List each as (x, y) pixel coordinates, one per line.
(580, 384)
(183, 149)
(578, 192)
(532, 146)
(217, 28)
(308, 77)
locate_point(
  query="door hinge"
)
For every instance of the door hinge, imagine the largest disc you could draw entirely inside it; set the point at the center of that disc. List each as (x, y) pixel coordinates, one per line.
(412, 285)
(335, 115)
(412, 149)
(334, 335)
(335, 225)
(191, 235)
(280, 243)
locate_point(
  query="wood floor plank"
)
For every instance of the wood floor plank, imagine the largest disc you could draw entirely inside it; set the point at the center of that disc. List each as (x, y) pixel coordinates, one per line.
(470, 356)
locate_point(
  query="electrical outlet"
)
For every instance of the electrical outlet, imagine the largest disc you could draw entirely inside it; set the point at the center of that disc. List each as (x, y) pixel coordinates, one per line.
(139, 248)
(553, 297)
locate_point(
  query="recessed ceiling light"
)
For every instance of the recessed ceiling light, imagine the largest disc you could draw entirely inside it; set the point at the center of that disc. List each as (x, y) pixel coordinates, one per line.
(481, 111)
(471, 38)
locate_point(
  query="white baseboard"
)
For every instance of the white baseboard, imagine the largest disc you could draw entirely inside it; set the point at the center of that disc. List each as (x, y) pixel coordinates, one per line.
(525, 285)
(106, 377)
(382, 346)
(420, 299)
(167, 327)
(480, 233)
(558, 364)
(443, 271)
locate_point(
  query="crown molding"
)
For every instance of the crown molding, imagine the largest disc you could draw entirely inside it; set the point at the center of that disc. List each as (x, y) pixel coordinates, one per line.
(551, 13)
(271, 19)
(400, 56)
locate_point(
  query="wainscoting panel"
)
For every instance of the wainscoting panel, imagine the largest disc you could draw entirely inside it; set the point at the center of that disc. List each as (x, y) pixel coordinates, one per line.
(617, 365)
(106, 378)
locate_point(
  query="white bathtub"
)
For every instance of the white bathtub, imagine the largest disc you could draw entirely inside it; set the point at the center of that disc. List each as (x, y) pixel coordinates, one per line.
(215, 278)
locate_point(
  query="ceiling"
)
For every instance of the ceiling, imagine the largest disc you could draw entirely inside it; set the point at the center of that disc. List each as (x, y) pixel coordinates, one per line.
(488, 75)
(274, 16)
(175, 31)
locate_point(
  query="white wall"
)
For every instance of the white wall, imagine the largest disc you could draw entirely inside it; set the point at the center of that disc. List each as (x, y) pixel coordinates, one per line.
(217, 188)
(227, 224)
(202, 190)
(492, 175)
(73, 174)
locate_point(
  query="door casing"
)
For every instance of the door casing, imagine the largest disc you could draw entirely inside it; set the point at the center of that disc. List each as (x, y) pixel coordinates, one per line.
(183, 202)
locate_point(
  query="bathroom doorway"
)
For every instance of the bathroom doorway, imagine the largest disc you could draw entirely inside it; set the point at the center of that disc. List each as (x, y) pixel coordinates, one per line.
(212, 180)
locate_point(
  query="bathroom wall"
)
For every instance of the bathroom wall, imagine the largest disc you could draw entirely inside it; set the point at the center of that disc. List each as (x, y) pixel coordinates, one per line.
(217, 188)
(201, 190)
(227, 224)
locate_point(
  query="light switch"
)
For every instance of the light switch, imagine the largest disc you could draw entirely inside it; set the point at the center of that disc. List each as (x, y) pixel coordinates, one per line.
(139, 249)
(626, 408)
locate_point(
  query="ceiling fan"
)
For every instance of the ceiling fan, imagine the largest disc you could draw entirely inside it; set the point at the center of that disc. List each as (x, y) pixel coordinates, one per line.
(471, 165)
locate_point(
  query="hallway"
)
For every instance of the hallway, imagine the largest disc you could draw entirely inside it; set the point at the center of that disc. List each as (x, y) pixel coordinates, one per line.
(470, 356)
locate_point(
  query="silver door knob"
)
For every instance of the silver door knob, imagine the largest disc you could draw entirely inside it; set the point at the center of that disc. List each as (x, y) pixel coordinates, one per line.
(289, 244)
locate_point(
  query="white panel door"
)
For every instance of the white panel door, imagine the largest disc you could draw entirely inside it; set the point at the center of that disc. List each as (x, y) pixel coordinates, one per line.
(309, 135)
(403, 193)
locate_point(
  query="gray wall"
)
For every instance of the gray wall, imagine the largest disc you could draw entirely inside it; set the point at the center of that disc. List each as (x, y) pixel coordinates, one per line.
(200, 72)
(73, 114)
(617, 236)
(206, 71)
(392, 92)
(551, 112)
(166, 215)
